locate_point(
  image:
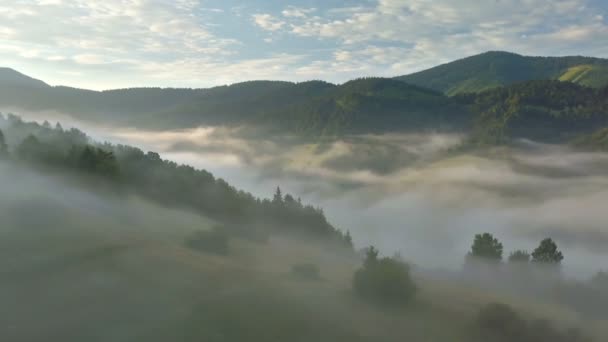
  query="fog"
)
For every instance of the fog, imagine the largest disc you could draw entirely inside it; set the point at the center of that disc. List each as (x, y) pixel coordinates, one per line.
(408, 193)
(103, 255)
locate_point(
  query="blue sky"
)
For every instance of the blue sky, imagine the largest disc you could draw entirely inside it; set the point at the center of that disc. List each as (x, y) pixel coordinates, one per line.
(202, 43)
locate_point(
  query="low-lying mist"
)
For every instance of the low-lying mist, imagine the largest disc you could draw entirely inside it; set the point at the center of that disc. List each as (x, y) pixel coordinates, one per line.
(103, 255)
(410, 193)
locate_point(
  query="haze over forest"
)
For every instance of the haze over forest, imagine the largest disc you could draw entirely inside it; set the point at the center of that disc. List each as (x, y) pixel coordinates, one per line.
(390, 190)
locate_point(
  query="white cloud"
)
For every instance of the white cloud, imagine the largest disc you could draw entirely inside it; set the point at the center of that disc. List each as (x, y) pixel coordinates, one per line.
(89, 59)
(268, 22)
(106, 39)
(297, 12)
(428, 32)
(120, 33)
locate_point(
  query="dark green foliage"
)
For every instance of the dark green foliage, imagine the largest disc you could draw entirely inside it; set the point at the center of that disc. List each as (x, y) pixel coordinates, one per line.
(306, 271)
(547, 111)
(500, 323)
(94, 160)
(519, 256)
(547, 253)
(3, 146)
(215, 242)
(486, 247)
(596, 141)
(254, 315)
(384, 281)
(495, 68)
(166, 182)
(311, 108)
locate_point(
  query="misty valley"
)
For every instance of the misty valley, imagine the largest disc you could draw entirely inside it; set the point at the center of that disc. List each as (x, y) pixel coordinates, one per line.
(465, 202)
(157, 250)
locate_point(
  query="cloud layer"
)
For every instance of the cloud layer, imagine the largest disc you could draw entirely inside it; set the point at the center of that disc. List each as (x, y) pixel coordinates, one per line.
(118, 43)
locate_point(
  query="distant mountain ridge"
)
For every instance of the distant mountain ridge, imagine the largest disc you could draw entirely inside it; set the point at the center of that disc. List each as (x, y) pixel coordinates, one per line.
(493, 97)
(310, 108)
(497, 68)
(10, 76)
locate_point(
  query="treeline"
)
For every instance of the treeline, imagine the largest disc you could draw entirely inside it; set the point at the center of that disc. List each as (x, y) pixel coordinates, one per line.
(537, 274)
(388, 282)
(166, 182)
(317, 108)
(314, 108)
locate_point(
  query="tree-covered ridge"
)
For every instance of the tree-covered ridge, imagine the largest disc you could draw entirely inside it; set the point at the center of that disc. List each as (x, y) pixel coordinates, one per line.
(548, 111)
(494, 69)
(371, 105)
(311, 108)
(131, 169)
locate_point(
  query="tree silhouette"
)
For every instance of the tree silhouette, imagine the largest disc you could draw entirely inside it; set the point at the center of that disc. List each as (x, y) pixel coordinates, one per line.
(277, 199)
(3, 146)
(486, 246)
(547, 253)
(519, 256)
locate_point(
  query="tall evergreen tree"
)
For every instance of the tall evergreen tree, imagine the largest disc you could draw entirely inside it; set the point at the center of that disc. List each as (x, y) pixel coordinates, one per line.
(3, 146)
(277, 199)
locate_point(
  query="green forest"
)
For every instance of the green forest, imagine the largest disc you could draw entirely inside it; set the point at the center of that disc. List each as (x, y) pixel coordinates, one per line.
(129, 169)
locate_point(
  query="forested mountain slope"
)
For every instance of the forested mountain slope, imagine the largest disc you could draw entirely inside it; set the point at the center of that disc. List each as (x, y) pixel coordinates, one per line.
(496, 68)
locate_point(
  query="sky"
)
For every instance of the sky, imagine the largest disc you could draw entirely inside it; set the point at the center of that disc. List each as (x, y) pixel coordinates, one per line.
(202, 43)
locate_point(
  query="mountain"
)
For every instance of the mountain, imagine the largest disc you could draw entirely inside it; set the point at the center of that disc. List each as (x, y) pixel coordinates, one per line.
(311, 108)
(10, 77)
(493, 69)
(494, 96)
(319, 108)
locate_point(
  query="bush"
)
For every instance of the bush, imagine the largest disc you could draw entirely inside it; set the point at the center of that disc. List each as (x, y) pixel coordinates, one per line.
(214, 242)
(500, 323)
(306, 271)
(385, 281)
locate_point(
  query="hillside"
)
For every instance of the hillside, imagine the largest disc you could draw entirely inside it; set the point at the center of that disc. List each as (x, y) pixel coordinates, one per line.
(547, 111)
(131, 171)
(120, 266)
(318, 108)
(493, 69)
(534, 103)
(310, 108)
(10, 77)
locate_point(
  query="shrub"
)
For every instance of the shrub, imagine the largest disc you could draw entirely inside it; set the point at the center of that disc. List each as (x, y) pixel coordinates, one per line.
(385, 281)
(500, 323)
(306, 271)
(214, 242)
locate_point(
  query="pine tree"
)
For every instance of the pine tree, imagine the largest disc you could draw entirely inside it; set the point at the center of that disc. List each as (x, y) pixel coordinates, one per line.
(348, 239)
(278, 197)
(3, 146)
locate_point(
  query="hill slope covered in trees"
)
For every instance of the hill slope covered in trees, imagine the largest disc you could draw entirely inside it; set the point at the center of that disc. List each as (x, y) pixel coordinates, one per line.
(129, 169)
(312, 108)
(496, 68)
(500, 96)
